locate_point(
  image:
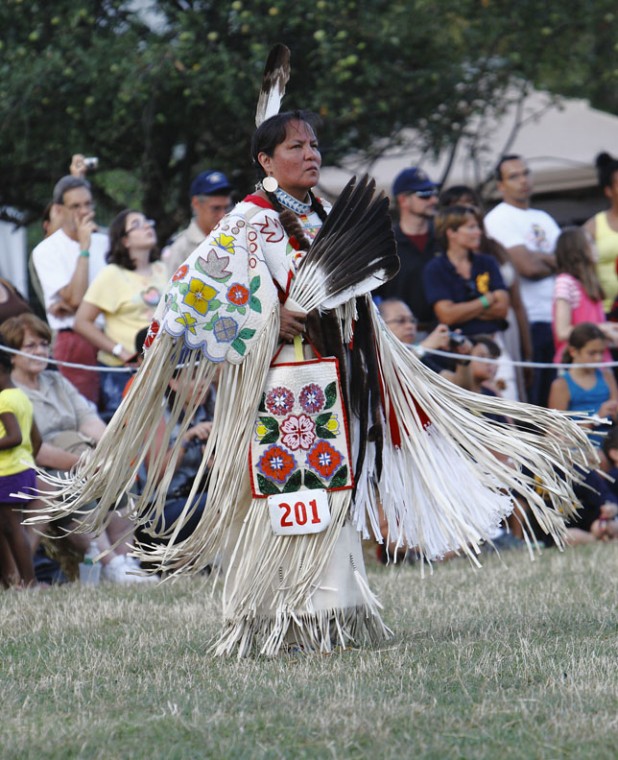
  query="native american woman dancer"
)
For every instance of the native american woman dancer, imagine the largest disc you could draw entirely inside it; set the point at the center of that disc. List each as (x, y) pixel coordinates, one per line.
(311, 435)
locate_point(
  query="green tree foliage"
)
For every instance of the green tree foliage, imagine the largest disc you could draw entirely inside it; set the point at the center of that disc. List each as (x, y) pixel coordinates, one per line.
(164, 91)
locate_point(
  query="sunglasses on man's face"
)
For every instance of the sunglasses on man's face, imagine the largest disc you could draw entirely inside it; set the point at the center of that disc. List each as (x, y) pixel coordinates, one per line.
(425, 194)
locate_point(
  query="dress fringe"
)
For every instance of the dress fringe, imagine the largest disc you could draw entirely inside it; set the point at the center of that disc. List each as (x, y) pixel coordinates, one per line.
(226, 455)
(442, 487)
(279, 592)
(320, 632)
(111, 470)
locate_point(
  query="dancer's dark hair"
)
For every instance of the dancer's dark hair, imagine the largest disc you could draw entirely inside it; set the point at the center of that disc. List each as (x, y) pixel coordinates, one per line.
(273, 132)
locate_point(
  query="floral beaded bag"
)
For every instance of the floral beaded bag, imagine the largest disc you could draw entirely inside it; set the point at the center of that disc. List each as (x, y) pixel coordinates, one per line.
(300, 441)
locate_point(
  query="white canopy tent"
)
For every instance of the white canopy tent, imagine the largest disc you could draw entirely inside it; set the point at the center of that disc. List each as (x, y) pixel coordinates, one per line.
(559, 138)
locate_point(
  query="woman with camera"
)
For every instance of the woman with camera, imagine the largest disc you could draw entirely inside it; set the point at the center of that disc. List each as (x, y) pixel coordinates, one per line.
(403, 324)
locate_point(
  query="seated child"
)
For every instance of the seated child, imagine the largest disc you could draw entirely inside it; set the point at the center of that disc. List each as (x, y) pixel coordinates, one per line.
(583, 388)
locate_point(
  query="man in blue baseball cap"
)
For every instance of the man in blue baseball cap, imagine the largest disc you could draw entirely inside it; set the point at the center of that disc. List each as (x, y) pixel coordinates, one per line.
(417, 199)
(210, 201)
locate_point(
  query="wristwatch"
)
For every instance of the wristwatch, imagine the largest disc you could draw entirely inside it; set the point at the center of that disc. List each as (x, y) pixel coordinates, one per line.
(117, 349)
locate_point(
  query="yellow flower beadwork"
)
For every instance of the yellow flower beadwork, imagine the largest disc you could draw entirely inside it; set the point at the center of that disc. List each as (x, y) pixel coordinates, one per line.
(187, 321)
(260, 430)
(226, 242)
(333, 425)
(199, 295)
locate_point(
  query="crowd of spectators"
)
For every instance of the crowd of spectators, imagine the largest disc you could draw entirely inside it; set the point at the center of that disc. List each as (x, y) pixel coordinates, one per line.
(99, 290)
(494, 292)
(530, 298)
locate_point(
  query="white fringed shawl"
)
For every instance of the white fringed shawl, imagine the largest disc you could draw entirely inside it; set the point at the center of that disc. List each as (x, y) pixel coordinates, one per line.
(442, 488)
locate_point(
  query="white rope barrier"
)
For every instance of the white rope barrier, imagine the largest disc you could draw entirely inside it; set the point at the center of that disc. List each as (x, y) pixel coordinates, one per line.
(432, 351)
(73, 365)
(516, 362)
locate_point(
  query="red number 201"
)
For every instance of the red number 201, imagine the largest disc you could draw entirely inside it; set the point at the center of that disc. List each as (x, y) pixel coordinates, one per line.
(300, 514)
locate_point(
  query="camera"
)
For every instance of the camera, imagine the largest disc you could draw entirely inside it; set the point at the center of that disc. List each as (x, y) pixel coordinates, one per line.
(456, 339)
(91, 162)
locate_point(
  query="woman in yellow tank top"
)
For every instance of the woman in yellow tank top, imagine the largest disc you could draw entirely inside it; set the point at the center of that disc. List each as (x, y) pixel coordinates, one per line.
(603, 227)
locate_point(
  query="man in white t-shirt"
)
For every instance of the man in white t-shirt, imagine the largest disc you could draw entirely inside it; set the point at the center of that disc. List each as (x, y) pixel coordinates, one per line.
(529, 235)
(66, 262)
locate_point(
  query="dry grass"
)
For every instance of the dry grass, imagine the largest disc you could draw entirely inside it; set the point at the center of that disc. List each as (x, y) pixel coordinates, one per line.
(512, 661)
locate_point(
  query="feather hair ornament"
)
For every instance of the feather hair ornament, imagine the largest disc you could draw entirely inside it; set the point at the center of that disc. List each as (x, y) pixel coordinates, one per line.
(274, 80)
(353, 253)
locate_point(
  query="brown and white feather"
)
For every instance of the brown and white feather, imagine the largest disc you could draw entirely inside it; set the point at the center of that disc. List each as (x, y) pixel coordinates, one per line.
(276, 75)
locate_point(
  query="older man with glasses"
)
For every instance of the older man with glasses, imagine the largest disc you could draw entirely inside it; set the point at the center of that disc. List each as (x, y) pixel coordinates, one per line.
(211, 198)
(417, 200)
(66, 262)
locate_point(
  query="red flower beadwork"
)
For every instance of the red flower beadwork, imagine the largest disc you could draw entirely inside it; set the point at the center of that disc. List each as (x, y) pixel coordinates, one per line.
(276, 463)
(324, 459)
(180, 273)
(298, 432)
(280, 401)
(311, 398)
(238, 294)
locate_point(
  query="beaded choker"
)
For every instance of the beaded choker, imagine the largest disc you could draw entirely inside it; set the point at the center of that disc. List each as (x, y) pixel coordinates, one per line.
(287, 200)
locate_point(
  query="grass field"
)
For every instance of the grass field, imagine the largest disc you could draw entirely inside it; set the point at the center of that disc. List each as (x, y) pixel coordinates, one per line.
(517, 660)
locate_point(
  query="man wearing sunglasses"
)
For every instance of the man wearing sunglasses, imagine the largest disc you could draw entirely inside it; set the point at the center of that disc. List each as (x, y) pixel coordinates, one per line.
(417, 200)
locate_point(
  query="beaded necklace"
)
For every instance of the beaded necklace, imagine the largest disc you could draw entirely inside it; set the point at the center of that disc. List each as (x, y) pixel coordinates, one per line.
(287, 200)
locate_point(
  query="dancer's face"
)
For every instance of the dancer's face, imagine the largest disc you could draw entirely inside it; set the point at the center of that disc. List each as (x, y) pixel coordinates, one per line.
(296, 161)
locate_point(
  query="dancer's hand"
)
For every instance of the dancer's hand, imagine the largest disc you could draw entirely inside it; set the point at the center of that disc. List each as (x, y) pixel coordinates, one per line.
(292, 323)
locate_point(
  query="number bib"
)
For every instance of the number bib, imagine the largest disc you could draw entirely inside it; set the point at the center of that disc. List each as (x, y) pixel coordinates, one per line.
(300, 437)
(299, 513)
